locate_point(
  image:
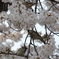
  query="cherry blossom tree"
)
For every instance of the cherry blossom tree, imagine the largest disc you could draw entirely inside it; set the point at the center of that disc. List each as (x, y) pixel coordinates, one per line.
(20, 19)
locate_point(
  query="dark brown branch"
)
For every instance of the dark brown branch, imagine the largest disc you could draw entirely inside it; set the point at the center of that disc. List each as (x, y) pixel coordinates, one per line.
(53, 1)
(5, 53)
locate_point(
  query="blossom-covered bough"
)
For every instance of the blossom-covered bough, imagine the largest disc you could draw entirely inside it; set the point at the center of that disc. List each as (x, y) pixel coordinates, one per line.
(54, 2)
(23, 16)
(54, 5)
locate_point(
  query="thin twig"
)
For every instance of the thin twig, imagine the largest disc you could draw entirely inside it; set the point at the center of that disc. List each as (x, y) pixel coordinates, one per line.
(36, 6)
(35, 48)
(52, 31)
(40, 4)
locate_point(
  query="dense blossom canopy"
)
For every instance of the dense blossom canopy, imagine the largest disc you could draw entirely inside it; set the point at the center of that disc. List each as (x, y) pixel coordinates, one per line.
(21, 16)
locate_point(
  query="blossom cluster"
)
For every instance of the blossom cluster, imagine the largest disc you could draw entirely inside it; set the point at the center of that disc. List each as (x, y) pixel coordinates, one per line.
(22, 18)
(44, 50)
